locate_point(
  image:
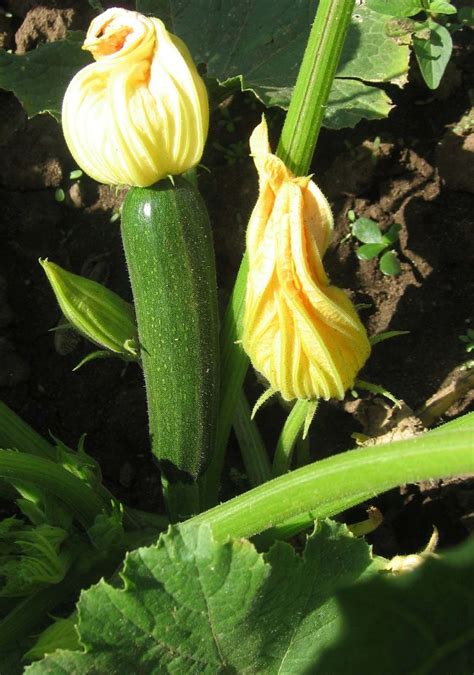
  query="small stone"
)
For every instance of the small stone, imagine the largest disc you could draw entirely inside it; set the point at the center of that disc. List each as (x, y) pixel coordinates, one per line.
(75, 195)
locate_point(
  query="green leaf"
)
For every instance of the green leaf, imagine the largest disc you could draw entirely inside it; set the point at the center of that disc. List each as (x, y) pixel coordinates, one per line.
(369, 53)
(352, 100)
(442, 7)
(247, 43)
(40, 77)
(367, 231)
(397, 8)
(191, 605)
(391, 236)
(238, 46)
(419, 622)
(433, 53)
(370, 251)
(389, 264)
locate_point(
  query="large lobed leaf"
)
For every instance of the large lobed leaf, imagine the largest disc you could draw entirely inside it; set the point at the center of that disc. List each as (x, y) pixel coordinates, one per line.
(262, 48)
(252, 42)
(419, 622)
(192, 605)
(189, 604)
(40, 77)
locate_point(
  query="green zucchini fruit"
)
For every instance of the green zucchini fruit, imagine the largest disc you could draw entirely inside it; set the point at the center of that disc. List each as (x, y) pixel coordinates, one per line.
(170, 256)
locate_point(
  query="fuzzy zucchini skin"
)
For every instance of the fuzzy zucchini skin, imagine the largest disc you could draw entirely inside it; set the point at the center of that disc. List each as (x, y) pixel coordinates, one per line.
(170, 256)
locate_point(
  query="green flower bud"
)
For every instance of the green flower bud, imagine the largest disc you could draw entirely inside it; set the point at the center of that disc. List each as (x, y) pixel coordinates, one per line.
(94, 311)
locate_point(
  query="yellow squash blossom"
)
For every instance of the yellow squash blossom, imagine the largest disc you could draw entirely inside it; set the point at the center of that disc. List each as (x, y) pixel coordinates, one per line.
(140, 112)
(300, 332)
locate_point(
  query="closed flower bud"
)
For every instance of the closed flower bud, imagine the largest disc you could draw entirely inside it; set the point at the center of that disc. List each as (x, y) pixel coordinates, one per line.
(140, 112)
(300, 332)
(97, 313)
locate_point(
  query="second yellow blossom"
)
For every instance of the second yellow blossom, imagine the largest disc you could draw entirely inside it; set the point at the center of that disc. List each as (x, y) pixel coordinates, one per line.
(301, 333)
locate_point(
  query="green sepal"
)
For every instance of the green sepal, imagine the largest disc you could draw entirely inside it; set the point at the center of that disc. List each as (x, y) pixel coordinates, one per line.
(93, 356)
(96, 312)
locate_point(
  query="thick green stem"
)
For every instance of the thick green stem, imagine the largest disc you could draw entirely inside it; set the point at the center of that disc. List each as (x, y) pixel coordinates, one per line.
(289, 435)
(308, 103)
(76, 495)
(254, 454)
(327, 487)
(234, 363)
(303, 452)
(298, 139)
(17, 434)
(293, 526)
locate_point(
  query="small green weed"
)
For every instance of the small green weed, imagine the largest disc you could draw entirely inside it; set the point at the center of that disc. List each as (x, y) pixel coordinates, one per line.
(375, 243)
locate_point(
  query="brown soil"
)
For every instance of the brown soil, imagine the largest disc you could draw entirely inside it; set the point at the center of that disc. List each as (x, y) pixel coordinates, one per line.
(416, 173)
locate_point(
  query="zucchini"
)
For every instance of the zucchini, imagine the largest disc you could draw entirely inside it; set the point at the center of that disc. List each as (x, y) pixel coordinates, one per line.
(168, 246)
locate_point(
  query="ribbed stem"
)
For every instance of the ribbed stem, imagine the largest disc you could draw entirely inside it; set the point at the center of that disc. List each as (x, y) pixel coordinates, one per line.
(331, 485)
(234, 363)
(17, 434)
(254, 454)
(308, 103)
(289, 435)
(76, 495)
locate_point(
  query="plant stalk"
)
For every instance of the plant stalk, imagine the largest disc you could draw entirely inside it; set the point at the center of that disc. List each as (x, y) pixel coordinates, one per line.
(289, 435)
(17, 434)
(254, 454)
(318, 68)
(234, 363)
(327, 487)
(298, 140)
(75, 494)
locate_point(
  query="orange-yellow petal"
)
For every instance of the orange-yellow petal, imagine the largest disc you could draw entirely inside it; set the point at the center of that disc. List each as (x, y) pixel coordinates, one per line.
(301, 333)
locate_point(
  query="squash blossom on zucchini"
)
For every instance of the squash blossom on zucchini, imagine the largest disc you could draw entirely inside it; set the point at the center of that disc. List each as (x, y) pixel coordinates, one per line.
(140, 112)
(301, 333)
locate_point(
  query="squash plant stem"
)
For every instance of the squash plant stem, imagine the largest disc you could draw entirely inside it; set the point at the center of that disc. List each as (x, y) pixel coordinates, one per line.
(296, 147)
